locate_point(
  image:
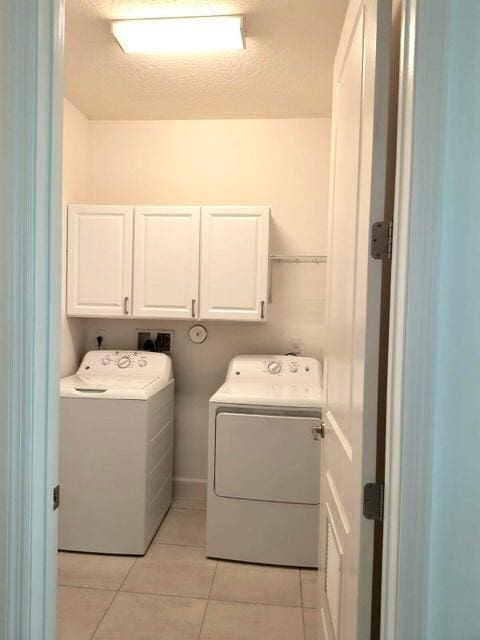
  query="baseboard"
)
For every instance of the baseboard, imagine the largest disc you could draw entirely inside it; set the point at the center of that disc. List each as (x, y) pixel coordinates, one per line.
(190, 488)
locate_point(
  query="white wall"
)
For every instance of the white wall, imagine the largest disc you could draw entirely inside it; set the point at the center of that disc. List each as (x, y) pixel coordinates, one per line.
(75, 188)
(281, 163)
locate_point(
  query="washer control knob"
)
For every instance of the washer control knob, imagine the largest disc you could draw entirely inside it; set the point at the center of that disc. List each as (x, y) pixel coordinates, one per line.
(106, 361)
(293, 367)
(274, 367)
(124, 362)
(142, 362)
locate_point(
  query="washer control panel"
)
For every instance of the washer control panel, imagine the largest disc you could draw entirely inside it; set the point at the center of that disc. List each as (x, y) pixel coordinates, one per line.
(125, 359)
(128, 362)
(274, 367)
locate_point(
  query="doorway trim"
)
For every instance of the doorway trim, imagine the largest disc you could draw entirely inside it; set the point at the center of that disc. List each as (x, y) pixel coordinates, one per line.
(412, 357)
(30, 192)
(30, 179)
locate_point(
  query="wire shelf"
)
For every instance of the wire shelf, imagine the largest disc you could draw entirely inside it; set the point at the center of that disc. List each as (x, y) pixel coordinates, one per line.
(299, 259)
(292, 260)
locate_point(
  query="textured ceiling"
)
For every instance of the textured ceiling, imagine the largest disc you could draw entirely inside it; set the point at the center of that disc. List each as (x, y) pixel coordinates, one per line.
(285, 71)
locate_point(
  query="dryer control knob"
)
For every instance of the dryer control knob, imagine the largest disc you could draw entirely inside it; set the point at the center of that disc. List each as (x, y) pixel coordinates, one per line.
(142, 362)
(106, 361)
(274, 367)
(124, 362)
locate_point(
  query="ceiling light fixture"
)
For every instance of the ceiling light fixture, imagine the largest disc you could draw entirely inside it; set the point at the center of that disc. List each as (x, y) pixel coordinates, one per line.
(179, 35)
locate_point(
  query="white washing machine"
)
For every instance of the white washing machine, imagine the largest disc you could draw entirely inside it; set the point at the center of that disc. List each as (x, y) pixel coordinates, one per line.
(116, 451)
(264, 462)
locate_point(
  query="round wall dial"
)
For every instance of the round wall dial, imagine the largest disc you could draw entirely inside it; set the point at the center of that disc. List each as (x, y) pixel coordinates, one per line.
(197, 333)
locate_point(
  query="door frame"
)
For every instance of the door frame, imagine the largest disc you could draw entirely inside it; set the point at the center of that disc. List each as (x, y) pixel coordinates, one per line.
(30, 222)
(413, 309)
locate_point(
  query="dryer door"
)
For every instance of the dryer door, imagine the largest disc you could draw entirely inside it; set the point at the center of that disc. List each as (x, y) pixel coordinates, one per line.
(267, 457)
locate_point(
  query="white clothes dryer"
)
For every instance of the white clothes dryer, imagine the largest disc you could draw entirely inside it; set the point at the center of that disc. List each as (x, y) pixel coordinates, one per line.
(264, 462)
(116, 451)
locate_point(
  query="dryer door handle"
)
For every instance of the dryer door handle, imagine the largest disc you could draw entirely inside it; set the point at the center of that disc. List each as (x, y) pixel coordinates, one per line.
(318, 433)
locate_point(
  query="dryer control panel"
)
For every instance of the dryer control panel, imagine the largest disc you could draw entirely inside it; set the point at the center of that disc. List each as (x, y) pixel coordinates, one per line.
(295, 369)
(272, 380)
(291, 366)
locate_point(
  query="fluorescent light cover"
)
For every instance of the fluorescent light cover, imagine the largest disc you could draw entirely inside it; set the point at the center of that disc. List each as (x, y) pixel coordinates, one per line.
(179, 35)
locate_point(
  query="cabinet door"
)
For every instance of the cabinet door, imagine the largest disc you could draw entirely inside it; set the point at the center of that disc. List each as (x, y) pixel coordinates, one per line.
(234, 263)
(99, 266)
(166, 262)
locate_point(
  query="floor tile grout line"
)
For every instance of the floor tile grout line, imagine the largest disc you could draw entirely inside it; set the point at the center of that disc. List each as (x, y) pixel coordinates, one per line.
(301, 586)
(301, 600)
(164, 595)
(113, 600)
(176, 506)
(208, 600)
(129, 572)
(260, 604)
(303, 624)
(228, 560)
(190, 597)
(275, 604)
(179, 544)
(81, 586)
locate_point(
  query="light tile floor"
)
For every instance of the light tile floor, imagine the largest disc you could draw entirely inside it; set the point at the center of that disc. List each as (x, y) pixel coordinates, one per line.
(175, 593)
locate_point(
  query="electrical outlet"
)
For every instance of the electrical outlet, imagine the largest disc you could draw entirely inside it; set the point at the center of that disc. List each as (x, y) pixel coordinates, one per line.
(99, 333)
(296, 345)
(163, 341)
(142, 337)
(161, 338)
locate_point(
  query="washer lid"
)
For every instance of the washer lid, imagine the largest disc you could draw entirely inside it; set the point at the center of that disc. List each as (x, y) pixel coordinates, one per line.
(270, 380)
(109, 387)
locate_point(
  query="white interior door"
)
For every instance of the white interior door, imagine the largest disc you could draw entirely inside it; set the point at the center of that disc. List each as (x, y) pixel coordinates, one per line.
(234, 263)
(166, 262)
(99, 265)
(360, 101)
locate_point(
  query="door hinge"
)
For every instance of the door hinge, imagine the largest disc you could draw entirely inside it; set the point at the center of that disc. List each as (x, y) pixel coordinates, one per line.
(373, 501)
(381, 240)
(56, 497)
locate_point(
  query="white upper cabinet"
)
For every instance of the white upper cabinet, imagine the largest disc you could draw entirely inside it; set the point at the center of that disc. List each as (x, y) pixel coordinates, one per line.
(234, 263)
(99, 265)
(166, 262)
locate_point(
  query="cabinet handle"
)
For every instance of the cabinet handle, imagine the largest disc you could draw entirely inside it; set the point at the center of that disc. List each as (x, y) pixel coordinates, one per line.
(262, 311)
(125, 305)
(193, 307)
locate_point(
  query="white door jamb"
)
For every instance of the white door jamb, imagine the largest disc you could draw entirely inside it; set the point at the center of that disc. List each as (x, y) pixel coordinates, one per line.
(411, 377)
(31, 37)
